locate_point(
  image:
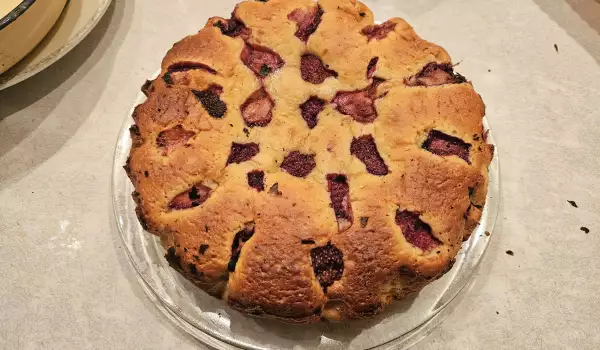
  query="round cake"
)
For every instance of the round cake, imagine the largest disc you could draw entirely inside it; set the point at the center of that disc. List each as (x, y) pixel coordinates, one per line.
(303, 163)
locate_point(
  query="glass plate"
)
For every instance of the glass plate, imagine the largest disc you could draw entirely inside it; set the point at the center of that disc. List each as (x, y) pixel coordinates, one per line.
(210, 321)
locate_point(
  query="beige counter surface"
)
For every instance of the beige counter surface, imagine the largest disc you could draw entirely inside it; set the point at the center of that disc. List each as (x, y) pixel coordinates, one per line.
(66, 281)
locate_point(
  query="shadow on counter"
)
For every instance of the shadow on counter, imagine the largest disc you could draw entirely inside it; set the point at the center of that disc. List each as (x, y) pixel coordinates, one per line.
(44, 92)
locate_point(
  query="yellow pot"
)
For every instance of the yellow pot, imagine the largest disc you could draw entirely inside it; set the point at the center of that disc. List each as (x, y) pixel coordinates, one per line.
(23, 24)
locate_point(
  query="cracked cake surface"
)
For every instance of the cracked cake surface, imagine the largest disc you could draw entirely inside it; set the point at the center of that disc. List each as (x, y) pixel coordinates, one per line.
(302, 163)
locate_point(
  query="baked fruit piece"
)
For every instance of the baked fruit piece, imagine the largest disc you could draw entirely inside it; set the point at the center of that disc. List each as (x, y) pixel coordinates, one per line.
(301, 162)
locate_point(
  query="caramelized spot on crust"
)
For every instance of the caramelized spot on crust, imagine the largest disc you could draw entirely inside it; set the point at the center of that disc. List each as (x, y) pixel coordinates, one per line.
(136, 136)
(193, 197)
(172, 138)
(188, 65)
(445, 145)
(365, 149)
(256, 110)
(167, 78)
(193, 269)
(313, 70)
(203, 248)
(307, 20)
(173, 259)
(298, 164)
(415, 231)
(241, 152)
(364, 221)
(339, 192)
(147, 87)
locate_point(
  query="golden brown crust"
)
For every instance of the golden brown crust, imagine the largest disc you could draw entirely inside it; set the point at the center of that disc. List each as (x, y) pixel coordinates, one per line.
(255, 242)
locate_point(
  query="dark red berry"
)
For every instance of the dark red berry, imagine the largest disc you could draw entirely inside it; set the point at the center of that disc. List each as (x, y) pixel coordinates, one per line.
(256, 110)
(298, 164)
(307, 20)
(378, 31)
(193, 197)
(328, 264)
(311, 109)
(313, 70)
(434, 74)
(415, 230)
(238, 242)
(261, 60)
(339, 193)
(256, 180)
(445, 145)
(365, 149)
(241, 152)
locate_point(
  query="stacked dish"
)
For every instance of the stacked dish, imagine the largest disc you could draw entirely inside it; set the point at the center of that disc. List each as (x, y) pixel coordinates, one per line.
(36, 33)
(23, 25)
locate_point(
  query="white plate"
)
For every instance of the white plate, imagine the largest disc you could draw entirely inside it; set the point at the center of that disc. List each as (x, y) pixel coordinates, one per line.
(76, 22)
(213, 323)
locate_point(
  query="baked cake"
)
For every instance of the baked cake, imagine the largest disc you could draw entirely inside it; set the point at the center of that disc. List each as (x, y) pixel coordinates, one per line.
(301, 162)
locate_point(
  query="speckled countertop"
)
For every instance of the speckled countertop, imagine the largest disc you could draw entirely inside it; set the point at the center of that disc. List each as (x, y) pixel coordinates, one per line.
(66, 281)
